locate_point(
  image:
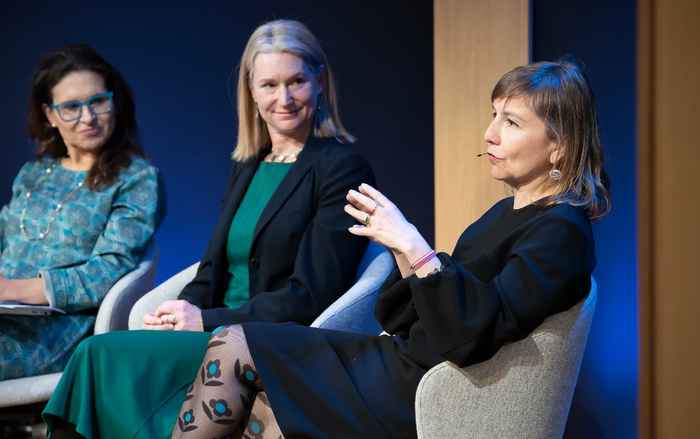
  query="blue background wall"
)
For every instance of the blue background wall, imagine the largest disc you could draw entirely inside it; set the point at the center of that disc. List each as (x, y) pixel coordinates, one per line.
(180, 61)
(602, 34)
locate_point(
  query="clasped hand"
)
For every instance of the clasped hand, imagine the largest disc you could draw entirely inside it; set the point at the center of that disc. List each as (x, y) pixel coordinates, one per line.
(174, 315)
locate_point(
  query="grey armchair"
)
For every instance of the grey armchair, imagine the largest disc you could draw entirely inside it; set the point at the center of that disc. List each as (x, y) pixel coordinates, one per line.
(112, 315)
(353, 311)
(524, 391)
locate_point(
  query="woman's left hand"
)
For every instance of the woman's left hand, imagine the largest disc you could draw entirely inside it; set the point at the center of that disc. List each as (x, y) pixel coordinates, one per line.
(181, 314)
(381, 221)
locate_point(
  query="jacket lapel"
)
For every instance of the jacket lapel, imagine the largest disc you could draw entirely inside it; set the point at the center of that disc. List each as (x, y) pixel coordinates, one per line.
(301, 167)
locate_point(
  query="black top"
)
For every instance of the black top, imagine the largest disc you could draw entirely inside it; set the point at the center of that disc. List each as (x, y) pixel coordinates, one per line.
(509, 270)
(302, 257)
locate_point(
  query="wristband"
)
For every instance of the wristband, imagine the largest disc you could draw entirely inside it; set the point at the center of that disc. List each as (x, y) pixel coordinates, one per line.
(423, 260)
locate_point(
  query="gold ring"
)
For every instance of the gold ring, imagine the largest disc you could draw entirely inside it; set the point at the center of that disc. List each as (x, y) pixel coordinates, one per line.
(366, 220)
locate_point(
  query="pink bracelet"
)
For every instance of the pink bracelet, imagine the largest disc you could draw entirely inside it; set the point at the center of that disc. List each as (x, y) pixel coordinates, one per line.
(423, 260)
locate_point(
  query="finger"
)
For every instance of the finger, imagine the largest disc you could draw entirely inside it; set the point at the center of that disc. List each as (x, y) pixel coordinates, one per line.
(167, 307)
(150, 319)
(168, 319)
(360, 231)
(361, 201)
(163, 308)
(359, 215)
(375, 195)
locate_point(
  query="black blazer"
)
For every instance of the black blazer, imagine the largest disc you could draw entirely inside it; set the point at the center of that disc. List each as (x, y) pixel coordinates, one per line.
(302, 257)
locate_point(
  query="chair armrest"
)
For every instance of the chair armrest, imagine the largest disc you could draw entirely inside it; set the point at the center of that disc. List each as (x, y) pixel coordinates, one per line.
(524, 390)
(27, 390)
(168, 290)
(439, 408)
(354, 310)
(480, 403)
(114, 310)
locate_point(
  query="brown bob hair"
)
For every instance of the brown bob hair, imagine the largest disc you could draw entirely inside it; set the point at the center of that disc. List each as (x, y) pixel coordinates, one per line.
(560, 94)
(116, 153)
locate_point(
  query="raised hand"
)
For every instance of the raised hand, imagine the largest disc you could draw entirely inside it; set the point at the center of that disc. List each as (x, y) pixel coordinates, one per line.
(380, 219)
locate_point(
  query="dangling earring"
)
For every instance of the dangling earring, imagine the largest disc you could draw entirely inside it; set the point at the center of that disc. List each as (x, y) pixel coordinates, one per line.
(555, 174)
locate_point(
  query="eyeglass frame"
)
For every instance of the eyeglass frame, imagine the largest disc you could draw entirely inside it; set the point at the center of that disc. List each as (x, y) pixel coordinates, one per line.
(84, 103)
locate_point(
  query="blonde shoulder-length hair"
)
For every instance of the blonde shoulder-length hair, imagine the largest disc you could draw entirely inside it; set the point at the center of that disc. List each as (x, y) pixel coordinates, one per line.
(284, 36)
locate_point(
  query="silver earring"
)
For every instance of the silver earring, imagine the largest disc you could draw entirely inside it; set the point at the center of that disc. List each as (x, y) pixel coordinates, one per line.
(555, 174)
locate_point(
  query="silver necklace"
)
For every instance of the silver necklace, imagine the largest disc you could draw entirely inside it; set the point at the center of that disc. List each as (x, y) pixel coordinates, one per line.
(281, 158)
(53, 214)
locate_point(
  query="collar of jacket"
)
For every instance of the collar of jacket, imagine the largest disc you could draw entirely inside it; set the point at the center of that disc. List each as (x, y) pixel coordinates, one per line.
(243, 173)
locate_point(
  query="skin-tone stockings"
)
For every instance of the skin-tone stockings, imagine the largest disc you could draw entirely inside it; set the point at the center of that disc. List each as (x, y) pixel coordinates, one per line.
(227, 399)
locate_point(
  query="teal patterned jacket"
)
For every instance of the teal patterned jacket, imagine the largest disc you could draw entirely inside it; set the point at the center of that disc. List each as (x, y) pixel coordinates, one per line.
(97, 237)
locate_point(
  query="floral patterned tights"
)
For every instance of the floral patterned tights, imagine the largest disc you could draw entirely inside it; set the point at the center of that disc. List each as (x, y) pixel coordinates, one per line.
(227, 399)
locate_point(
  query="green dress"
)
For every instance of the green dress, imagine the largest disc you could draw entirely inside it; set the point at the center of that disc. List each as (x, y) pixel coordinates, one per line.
(131, 384)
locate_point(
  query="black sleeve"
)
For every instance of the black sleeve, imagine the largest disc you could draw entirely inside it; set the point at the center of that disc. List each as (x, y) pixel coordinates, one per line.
(327, 257)
(547, 271)
(199, 290)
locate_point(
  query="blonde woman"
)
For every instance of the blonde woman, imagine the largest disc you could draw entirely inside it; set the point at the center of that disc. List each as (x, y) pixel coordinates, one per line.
(280, 252)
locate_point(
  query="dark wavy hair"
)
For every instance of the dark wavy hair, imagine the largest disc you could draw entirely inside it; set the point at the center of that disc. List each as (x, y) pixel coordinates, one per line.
(560, 94)
(118, 150)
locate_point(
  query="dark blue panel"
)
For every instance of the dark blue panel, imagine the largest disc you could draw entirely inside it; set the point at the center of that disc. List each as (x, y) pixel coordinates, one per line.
(602, 34)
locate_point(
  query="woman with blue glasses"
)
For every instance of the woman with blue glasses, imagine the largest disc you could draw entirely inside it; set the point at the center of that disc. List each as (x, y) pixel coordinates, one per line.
(80, 215)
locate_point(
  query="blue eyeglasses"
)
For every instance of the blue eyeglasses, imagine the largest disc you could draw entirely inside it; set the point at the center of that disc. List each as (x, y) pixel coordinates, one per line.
(70, 111)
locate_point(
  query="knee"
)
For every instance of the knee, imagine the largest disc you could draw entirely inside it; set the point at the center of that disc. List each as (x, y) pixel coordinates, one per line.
(94, 345)
(85, 346)
(232, 333)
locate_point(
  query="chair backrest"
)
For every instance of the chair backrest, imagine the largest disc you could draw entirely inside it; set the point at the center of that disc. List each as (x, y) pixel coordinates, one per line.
(168, 290)
(354, 310)
(524, 391)
(113, 313)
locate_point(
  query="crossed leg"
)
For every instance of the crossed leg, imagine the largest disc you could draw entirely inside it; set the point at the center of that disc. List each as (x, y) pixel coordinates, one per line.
(226, 399)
